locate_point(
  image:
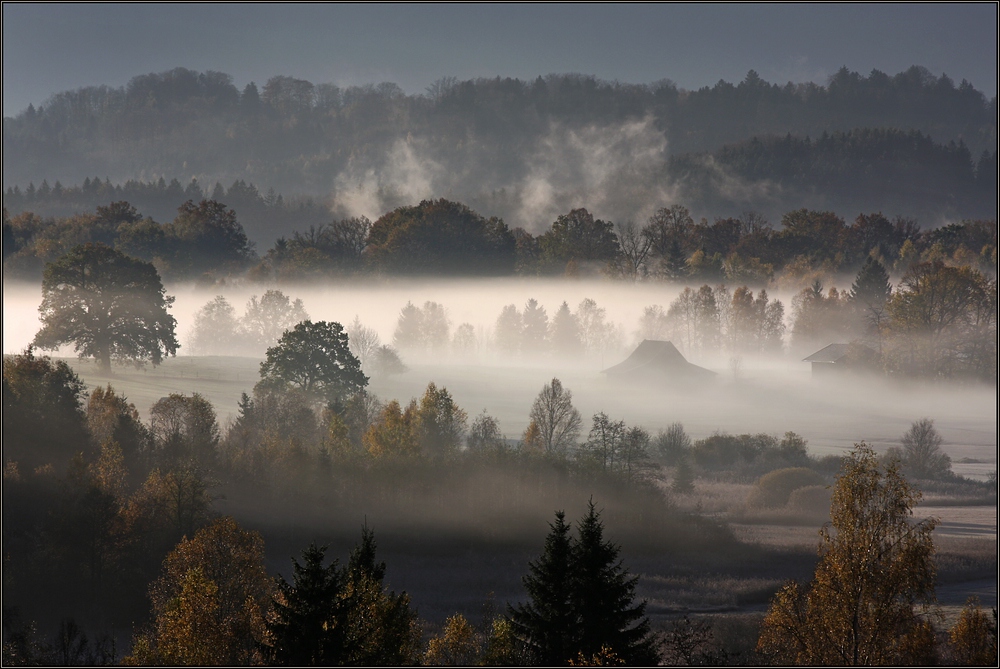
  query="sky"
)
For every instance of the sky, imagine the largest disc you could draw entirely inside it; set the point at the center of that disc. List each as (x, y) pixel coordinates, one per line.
(49, 48)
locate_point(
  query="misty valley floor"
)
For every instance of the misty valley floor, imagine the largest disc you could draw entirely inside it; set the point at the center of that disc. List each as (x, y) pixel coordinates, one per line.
(448, 572)
(770, 397)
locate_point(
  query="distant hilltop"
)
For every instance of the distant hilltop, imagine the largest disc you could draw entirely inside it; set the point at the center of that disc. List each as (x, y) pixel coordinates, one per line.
(911, 144)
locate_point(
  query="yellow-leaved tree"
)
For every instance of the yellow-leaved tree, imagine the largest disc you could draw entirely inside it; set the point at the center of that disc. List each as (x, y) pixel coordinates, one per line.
(873, 590)
(210, 601)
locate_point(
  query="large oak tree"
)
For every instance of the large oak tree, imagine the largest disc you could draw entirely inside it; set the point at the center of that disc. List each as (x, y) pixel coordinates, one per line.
(109, 305)
(316, 358)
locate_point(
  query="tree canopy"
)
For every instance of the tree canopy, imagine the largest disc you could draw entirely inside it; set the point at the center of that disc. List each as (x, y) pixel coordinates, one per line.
(440, 237)
(43, 419)
(333, 615)
(316, 358)
(110, 306)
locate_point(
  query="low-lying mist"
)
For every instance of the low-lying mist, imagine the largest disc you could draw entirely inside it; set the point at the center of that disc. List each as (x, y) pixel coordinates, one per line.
(761, 394)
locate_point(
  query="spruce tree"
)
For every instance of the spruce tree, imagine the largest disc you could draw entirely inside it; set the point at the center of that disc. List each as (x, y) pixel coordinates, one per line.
(581, 600)
(870, 295)
(604, 596)
(683, 477)
(381, 628)
(309, 626)
(547, 623)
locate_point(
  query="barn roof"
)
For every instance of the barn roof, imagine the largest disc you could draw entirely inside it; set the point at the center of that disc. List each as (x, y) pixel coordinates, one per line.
(854, 353)
(831, 353)
(657, 359)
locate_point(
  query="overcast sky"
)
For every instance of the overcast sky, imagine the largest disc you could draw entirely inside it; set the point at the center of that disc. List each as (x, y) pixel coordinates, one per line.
(49, 48)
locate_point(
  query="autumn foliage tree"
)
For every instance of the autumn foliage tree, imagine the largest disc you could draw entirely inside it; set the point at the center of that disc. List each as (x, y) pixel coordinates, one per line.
(875, 567)
(974, 636)
(43, 419)
(209, 602)
(440, 237)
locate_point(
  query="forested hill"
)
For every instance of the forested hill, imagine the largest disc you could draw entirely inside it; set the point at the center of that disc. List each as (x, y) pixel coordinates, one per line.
(911, 144)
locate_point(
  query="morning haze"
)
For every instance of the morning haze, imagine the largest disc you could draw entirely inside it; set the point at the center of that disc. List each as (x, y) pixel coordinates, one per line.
(518, 368)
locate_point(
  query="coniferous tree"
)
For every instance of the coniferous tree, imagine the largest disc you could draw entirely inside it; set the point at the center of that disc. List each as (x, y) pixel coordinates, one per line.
(536, 325)
(870, 295)
(547, 622)
(565, 332)
(342, 615)
(604, 596)
(309, 623)
(409, 328)
(581, 600)
(683, 477)
(381, 628)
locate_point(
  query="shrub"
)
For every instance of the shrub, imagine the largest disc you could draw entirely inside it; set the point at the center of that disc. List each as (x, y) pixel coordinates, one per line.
(811, 500)
(774, 489)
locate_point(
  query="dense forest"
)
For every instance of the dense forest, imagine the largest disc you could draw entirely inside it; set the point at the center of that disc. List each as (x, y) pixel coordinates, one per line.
(208, 240)
(911, 144)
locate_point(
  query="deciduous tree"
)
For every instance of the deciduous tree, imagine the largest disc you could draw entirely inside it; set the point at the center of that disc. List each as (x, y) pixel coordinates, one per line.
(922, 454)
(215, 328)
(875, 566)
(108, 305)
(316, 358)
(440, 237)
(555, 418)
(440, 422)
(578, 236)
(222, 569)
(266, 319)
(185, 431)
(43, 419)
(974, 636)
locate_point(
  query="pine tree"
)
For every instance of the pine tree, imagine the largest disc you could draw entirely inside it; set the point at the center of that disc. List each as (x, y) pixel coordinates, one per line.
(674, 263)
(409, 328)
(565, 332)
(536, 326)
(547, 623)
(342, 615)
